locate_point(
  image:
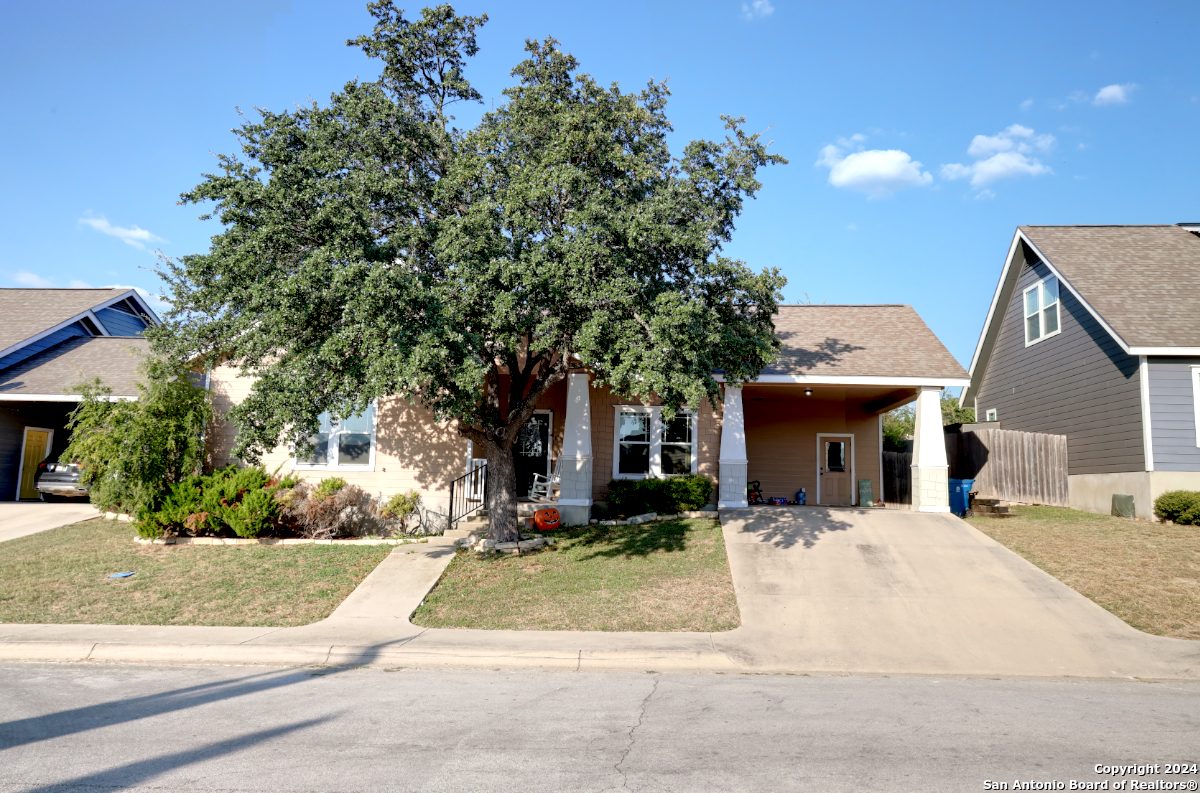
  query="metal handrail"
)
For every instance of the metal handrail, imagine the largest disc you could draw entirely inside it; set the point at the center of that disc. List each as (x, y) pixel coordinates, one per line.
(468, 494)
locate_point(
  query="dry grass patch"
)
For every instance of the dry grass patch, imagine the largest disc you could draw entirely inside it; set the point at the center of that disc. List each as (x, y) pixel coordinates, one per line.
(61, 576)
(1148, 574)
(667, 576)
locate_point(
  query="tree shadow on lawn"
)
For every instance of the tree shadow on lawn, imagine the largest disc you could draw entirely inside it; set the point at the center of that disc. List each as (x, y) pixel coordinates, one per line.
(668, 536)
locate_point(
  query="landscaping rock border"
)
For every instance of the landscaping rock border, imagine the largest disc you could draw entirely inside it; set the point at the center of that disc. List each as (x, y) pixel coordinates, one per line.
(647, 517)
(270, 541)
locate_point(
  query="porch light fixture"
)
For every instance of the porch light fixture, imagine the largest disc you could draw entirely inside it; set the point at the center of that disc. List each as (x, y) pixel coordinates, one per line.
(808, 392)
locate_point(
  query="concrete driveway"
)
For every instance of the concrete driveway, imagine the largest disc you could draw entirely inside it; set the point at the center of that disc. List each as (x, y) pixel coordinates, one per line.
(19, 518)
(873, 590)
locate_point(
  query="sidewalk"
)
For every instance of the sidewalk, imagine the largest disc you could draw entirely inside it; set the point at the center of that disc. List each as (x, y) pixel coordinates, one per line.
(949, 602)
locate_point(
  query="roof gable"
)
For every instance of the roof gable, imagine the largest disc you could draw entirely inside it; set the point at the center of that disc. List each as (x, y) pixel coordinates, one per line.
(30, 314)
(859, 341)
(1143, 281)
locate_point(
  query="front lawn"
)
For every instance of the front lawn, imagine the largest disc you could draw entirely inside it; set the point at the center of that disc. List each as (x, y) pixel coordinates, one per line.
(664, 576)
(1148, 574)
(61, 576)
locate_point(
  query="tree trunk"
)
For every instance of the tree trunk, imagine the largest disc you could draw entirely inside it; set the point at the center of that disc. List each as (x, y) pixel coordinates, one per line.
(503, 524)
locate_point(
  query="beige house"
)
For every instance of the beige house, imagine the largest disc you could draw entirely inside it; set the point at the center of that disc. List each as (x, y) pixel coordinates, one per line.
(812, 420)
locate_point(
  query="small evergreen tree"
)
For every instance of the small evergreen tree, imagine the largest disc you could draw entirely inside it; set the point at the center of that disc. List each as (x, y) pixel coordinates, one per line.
(133, 451)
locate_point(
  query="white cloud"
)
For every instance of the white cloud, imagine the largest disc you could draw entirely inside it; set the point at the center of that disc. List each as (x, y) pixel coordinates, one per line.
(877, 172)
(757, 9)
(26, 278)
(1113, 94)
(135, 236)
(75, 284)
(1028, 103)
(1005, 155)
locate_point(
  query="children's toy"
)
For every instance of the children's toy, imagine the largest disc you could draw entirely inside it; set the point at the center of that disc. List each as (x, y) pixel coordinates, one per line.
(754, 492)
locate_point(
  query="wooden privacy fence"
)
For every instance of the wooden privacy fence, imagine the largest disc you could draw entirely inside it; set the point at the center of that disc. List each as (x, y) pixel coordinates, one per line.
(1027, 467)
(897, 477)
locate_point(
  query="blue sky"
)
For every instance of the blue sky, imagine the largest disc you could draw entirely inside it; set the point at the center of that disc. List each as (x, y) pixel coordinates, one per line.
(919, 135)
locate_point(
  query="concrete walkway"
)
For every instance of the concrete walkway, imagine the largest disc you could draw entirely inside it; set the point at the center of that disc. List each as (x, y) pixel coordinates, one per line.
(820, 590)
(21, 518)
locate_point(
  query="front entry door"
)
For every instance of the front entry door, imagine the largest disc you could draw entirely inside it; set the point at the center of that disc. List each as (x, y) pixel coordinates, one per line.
(37, 445)
(834, 456)
(531, 453)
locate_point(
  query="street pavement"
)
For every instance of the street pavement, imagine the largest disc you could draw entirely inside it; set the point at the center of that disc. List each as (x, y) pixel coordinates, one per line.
(819, 590)
(95, 727)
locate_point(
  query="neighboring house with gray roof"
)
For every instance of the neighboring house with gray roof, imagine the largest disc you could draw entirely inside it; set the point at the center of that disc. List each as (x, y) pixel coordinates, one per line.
(1094, 333)
(51, 340)
(812, 420)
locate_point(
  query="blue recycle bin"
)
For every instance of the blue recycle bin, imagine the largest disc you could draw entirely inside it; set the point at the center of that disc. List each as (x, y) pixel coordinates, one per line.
(960, 499)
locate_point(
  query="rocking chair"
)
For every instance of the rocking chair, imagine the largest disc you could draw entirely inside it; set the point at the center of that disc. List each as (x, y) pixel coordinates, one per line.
(543, 486)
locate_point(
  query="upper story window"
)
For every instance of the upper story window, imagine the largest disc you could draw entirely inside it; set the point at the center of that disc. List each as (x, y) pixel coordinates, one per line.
(1041, 311)
(646, 445)
(348, 444)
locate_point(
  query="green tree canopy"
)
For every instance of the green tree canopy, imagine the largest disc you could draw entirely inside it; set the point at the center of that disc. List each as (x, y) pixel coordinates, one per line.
(372, 249)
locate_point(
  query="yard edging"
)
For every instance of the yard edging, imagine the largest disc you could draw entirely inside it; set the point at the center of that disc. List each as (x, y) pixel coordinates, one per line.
(270, 541)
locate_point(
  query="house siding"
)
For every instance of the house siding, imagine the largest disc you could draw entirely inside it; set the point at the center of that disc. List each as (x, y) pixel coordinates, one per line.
(118, 323)
(1078, 383)
(14, 418)
(604, 416)
(1173, 414)
(781, 440)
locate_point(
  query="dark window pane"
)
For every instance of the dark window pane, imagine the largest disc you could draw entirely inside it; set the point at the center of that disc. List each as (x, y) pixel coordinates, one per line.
(835, 455)
(678, 431)
(1051, 318)
(354, 448)
(1033, 327)
(635, 427)
(634, 458)
(320, 452)
(676, 458)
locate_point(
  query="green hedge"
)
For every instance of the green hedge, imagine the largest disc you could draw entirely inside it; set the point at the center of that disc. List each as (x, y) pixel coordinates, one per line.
(664, 496)
(241, 500)
(1181, 506)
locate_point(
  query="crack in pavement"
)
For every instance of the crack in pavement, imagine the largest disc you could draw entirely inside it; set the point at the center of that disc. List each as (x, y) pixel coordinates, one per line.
(632, 730)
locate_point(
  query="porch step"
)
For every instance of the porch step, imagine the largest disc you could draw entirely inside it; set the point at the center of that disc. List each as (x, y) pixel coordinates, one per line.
(473, 533)
(989, 508)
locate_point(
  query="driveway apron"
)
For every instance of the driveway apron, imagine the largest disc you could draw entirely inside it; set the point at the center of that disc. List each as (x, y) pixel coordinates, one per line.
(893, 591)
(21, 518)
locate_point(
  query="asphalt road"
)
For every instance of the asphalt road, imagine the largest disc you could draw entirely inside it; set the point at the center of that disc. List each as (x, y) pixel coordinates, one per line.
(97, 727)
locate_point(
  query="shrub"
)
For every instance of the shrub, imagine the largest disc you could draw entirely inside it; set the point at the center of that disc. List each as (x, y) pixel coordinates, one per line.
(1181, 506)
(401, 505)
(664, 496)
(333, 508)
(133, 452)
(241, 500)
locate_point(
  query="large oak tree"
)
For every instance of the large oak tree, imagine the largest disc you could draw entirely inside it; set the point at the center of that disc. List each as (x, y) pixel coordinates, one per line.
(370, 248)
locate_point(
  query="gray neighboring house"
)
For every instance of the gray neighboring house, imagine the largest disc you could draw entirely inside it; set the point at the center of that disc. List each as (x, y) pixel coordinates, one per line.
(1094, 333)
(50, 340)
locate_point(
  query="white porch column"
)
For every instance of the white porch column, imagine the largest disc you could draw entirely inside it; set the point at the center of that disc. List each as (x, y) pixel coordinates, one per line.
(731, 492)
(575, 462)
(930, 471)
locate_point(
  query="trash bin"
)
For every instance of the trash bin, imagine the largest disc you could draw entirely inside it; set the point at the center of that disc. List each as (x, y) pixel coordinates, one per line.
(960, 495)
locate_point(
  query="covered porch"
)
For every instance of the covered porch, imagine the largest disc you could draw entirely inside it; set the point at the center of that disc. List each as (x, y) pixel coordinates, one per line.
(821, 443)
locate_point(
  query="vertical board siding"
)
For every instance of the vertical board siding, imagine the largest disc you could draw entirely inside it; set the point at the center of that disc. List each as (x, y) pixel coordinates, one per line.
(897, 477)
(1026, 467)
(1173, 414)
(1078, 383)
(45, 343)
(118, 323)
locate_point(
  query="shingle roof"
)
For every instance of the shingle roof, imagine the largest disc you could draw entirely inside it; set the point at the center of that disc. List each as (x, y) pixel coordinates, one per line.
(1143, 280)
(28, 312)
(52, 371)
(873, 340)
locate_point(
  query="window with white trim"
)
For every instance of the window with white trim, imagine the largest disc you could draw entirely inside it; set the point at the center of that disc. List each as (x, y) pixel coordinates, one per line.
(1196, 400)
(1042, 318)
(990, 415)
(346, 445)
(647, 446)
